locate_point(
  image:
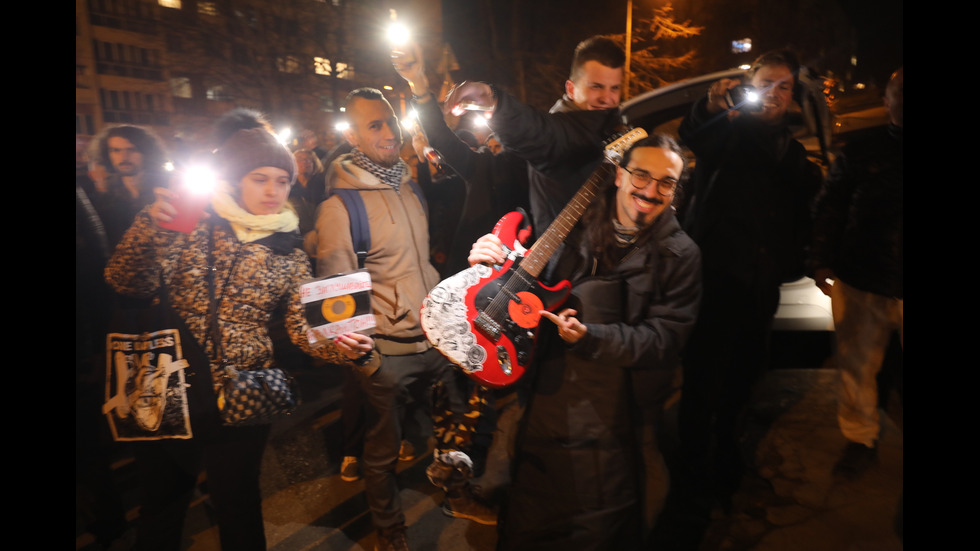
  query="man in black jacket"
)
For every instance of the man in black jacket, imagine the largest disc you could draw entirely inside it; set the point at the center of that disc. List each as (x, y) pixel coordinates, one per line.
(857, 259)
(605, 364)
(750, 217)
(557, 169)
(593, 84)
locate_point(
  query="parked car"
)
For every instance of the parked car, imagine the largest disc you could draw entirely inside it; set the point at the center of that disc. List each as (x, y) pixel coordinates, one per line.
(802, 307)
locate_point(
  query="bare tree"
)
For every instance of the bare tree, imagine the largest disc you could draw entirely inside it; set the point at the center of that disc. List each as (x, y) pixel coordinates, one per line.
(659, 54)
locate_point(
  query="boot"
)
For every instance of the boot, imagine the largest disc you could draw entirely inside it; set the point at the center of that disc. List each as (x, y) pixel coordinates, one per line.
(452, 471)
(392, 538)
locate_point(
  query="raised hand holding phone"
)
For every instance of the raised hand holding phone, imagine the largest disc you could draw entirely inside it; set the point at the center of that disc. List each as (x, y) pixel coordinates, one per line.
(185, 202)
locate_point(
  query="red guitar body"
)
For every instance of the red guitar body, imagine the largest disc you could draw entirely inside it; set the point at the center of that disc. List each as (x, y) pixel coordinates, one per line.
(492, 336)
(485, 318)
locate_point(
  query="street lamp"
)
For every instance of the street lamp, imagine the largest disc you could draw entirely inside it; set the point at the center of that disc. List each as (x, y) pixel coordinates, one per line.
(629, 43)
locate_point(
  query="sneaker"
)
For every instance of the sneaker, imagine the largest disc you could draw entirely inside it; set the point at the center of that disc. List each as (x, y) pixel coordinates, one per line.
(406, 452)
(443, 475)
(856, 459)
(348, 469)
(467, 505)
(392, 538)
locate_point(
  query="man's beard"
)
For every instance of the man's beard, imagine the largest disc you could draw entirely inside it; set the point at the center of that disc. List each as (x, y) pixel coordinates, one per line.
(640, 218)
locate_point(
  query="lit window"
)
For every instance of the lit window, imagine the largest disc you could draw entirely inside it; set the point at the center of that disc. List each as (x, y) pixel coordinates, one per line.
(321, 66)
(345, 71)
(175, 4)
(180, 87)
(207, 8)
(287, 64)
(217, 93)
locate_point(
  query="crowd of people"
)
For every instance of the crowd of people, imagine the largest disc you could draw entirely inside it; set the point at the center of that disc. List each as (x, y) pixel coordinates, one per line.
(670, 274)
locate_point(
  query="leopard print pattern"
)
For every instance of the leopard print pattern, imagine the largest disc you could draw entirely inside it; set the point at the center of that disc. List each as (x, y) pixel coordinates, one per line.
(251, 281)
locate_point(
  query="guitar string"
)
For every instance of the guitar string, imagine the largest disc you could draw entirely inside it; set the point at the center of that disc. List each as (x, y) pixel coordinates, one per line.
(518, 281)
(521, 277)
(565, 222)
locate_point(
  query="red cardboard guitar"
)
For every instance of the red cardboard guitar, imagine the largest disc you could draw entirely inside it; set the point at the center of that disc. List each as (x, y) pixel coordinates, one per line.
(485, 318)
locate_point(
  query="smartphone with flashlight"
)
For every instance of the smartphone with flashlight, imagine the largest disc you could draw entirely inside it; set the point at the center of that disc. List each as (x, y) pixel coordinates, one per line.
(398, 34)
(192, 193)
(744, 97)
(464, 106)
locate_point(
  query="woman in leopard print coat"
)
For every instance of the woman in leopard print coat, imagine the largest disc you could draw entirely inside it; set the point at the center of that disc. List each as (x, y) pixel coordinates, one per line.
(258, 266)
(251, 280)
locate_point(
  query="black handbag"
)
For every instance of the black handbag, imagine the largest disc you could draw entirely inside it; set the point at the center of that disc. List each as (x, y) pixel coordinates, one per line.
(246, 396)
(158, 378)
(256, 396)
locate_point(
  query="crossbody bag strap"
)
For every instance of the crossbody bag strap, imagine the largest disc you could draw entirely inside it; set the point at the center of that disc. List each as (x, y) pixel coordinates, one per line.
(213, 303)
(212, 298)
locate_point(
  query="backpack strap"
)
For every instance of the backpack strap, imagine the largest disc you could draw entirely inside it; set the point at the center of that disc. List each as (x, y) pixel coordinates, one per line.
(360, 231)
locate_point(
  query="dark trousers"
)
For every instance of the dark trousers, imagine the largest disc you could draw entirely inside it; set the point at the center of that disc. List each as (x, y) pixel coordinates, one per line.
(352, 414)
(398, 380)
(97, 499)
(168, 471)
(725, 356)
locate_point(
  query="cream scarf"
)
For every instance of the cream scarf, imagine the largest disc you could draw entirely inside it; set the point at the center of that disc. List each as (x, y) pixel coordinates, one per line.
(251, 227)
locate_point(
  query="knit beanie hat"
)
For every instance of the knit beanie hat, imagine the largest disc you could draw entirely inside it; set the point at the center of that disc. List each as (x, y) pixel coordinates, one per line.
(253, 148)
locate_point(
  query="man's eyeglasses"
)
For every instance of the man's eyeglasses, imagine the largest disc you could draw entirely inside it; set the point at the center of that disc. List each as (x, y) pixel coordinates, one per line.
(641, 179)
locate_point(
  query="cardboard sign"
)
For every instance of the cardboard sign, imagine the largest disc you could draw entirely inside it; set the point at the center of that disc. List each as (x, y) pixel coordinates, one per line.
(338, 304)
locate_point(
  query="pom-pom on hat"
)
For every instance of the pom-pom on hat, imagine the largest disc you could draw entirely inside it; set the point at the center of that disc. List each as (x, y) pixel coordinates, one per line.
(253, 148)
(240, 118)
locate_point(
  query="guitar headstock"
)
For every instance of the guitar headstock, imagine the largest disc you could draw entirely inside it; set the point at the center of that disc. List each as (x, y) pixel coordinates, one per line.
(621, 142)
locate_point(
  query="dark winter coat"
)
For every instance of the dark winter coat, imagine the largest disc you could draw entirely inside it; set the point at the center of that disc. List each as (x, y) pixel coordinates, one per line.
(563, 148)
(576, 481)
(859, 216)
(753, 187)
(495, 184)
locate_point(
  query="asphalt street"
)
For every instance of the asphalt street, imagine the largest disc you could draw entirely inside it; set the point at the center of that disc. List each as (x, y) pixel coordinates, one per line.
(789, 500)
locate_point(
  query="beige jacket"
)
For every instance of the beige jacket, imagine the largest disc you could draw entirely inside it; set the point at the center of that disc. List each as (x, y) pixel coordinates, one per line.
(398, 259)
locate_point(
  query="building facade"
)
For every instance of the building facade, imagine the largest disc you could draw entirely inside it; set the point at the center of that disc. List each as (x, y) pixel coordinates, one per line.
(177, 65)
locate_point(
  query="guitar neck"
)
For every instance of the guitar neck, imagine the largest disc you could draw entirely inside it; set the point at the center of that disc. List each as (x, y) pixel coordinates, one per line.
(539, 255)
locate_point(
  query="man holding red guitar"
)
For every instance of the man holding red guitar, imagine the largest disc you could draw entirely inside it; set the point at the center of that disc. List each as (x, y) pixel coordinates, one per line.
(604, 367)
